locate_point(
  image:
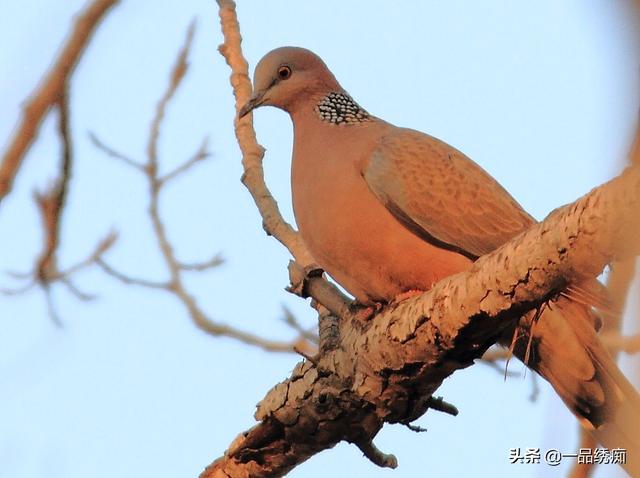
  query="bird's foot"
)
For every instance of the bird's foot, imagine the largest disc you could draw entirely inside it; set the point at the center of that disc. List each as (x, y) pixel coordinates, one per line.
(364, 313)
(406, 295)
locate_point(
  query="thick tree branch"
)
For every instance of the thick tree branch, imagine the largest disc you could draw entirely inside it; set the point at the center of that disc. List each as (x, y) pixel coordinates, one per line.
(387, 369)
(49, 91)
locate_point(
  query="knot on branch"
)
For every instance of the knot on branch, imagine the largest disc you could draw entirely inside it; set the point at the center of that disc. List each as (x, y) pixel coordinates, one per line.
(300, 277)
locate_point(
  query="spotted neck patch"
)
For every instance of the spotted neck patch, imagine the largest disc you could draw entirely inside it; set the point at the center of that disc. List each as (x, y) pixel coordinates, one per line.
(339, 108)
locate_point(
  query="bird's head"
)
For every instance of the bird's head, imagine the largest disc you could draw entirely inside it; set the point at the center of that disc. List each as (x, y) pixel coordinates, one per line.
(286, 77)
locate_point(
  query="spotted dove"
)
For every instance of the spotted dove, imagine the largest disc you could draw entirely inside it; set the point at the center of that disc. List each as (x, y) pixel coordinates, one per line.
(385, 210)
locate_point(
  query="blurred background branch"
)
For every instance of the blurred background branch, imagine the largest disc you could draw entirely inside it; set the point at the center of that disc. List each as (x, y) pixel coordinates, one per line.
(53, 92)
(49, 92)
(619, 282)
(156, 182)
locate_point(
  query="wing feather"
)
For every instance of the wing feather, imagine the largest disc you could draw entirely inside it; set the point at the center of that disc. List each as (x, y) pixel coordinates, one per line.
(441, 195)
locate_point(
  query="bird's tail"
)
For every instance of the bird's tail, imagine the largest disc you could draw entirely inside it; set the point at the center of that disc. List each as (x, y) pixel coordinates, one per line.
(561, 344)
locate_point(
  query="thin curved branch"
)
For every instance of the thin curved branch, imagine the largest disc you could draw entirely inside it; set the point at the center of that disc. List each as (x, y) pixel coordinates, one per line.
(49, 91)
(51, 202)
(252, 152)
(174, 284)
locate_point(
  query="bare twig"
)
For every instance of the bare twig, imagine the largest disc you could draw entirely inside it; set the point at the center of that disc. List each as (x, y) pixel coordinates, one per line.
(292, 321)
(438, 404)
(51, 308)
(150, 169)
(113, 153)
(199, 156)
(7, 291)
(125, 279)
(416, 428)
(49, 91)
(212, 263)
(51, 203)
(103, 246)
(55, 275)
(252, 152)
(383, 460)
(303, 353)
(177, 75)
(71, 287)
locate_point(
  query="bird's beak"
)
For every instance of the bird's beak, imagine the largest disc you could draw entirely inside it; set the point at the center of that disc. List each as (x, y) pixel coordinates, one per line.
(256, 100)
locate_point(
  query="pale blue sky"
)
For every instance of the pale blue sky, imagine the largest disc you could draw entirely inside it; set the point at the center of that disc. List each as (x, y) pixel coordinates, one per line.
(541, 93)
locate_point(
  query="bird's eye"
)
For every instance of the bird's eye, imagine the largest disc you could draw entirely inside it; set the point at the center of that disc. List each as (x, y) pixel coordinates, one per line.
(284, 72)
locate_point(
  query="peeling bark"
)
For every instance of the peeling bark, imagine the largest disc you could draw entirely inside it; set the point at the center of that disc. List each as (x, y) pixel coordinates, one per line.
(385, 370)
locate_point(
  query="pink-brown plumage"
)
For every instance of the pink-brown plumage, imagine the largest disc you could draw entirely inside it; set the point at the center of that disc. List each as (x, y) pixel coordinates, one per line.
(385, 210)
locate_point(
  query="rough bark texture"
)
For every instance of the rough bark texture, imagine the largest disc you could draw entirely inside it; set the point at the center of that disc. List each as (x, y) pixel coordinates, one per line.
(386, 369)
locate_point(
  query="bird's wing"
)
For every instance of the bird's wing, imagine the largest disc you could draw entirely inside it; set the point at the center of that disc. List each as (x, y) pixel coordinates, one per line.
(441, 195)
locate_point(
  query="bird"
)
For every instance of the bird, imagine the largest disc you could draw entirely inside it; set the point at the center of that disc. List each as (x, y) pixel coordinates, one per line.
(387, 211)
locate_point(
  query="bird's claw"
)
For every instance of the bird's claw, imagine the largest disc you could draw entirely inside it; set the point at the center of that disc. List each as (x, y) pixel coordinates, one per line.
(364, 313)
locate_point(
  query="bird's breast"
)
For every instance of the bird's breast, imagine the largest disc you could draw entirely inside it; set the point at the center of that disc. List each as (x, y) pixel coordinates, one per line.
(349, 232)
